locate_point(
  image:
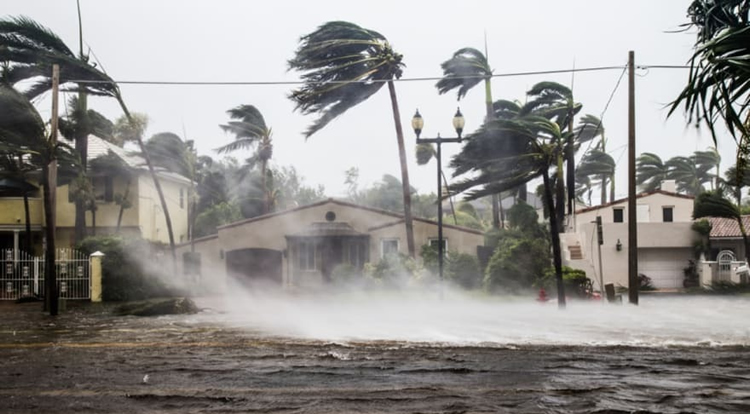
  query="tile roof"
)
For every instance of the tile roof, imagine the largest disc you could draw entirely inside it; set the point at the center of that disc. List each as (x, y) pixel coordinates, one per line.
(725, 228)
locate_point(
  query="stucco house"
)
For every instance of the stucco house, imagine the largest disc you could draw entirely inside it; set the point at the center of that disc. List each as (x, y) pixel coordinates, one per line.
(302, 246)
(665, 239)
(144, 217)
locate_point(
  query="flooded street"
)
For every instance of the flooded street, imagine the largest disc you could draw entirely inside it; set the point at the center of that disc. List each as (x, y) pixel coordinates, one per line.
(230, 359)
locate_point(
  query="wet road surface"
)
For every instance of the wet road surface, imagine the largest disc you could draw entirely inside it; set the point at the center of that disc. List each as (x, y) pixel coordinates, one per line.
(88, 361)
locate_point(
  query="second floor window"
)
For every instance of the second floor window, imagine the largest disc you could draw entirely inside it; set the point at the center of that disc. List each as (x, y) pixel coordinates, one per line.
(619, 215)
(667, 214)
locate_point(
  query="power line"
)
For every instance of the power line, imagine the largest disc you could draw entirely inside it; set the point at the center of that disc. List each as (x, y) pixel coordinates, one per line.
(417, 79)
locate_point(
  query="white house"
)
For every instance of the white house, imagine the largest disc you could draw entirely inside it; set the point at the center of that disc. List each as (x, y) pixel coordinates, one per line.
(665, 239)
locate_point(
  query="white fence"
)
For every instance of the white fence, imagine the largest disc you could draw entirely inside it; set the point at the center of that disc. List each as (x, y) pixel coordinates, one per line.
(22, 275)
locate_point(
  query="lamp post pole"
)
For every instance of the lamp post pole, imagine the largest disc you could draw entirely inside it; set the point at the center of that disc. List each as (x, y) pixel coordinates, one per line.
(417, 123)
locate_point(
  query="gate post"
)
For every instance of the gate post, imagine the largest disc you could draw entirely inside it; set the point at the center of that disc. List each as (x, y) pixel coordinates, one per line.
(96, 276)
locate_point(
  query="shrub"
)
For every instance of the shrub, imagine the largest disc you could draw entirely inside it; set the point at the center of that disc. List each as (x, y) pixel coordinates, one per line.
(518, 262)
(123, 276)
(463, 269)
(575, 281)
(393, 271)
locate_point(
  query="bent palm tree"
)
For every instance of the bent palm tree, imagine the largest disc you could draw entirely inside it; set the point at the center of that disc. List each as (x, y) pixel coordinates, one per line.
(650, 171)
(688, 175)
(249, 129)
(504, 153)
(31, 50)
(465, 70)
(590, 127)
(343, 65)
(597, 163)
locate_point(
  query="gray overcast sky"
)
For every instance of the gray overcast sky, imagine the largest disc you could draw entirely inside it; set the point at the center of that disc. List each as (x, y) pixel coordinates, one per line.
(225, 40)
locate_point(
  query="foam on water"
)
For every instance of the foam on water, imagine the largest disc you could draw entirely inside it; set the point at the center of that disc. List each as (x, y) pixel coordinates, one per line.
(459, 319)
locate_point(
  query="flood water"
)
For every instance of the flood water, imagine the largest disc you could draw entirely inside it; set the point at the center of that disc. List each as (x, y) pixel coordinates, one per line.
(382, 353)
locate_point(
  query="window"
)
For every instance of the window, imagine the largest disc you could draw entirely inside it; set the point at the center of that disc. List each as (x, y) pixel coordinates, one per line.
(667, 214)
(619, 215)
(182, 198)
(434, 244)
(103, 188)
(306, 255)
(388, 247)
(355, 254)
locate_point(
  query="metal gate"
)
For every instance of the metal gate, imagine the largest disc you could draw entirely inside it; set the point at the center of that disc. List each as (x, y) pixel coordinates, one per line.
(22, 275)
(725, 259)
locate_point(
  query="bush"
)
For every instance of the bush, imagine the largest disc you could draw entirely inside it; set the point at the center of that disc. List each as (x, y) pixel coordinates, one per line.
(518, 263)
(463, 269)
(393, 271)
(124, 277)
(727, 288)
(575, 281)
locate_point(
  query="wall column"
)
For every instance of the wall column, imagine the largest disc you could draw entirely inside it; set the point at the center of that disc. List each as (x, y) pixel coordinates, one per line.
(96, 276)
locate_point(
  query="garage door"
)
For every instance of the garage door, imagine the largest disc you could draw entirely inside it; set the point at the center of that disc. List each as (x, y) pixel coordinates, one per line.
(664, 266)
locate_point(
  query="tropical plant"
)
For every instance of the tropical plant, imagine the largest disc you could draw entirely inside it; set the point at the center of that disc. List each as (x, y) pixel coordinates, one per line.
(688, 174)
(463, 71)
(735, 181)
(589, 127)
(112, 165)
(426, 152)
(507, 152)
(713, 204)
(555, 102)
(719, 79)
(31, 50)
(651, 171)
(342, 65)
(250, 131)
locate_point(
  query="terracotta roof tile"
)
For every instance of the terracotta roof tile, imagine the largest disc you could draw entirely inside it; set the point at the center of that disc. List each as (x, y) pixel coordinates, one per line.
(725, 228)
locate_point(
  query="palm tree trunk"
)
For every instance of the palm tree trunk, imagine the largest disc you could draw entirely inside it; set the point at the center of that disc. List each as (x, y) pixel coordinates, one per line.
(404, 171)
(450, 198)
(489, 116)
(151, 170)
(560, 195)
(266, 198)
(603, 190)
(81, 146)
(27, 218)
(123, 202)
(570, 155)
(555, 236)
(612, 187)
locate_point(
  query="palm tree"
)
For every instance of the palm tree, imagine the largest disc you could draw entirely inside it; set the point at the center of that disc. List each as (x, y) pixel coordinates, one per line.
(650, 171)
(114, 165)
(736, 181)
(688, 175)
(249, 129)
(344, 64)
(465, 70)
(424, 153)
(708, 160)
(589, 127)
(31, 50)
(505, 153)
(597, 163)
(555, 102)
(718, 83)
(22, 131)
(713, 204)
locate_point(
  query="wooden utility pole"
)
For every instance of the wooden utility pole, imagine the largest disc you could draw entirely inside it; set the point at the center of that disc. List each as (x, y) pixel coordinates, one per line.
(633, 283)
(50, 216)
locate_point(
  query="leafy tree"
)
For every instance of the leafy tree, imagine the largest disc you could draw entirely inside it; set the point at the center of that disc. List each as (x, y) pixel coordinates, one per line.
(215, 216)
(113, 165)
(713, 204)
(292, 190)
(250, 131)
(360, 61)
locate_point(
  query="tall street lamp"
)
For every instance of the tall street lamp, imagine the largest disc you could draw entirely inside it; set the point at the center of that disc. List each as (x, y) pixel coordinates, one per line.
(417, 123)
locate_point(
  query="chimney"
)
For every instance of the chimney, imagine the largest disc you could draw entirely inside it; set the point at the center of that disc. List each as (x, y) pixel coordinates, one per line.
(669, 186)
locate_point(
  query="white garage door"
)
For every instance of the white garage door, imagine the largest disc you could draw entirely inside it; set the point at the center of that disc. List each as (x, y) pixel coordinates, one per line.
(664, 266)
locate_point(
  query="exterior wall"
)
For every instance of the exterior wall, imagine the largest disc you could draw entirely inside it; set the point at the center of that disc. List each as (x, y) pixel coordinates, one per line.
(151, 217)
(107, 212)
(456, 240)
(683, 209)
(12, 212)
(664, 248)
(212, 278)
